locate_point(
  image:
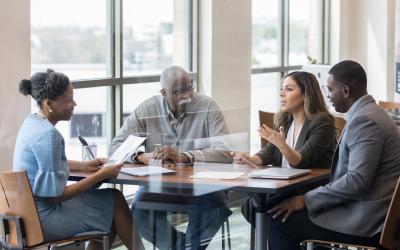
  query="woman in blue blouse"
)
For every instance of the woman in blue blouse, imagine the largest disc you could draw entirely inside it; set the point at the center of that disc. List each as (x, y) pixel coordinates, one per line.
(64, 210)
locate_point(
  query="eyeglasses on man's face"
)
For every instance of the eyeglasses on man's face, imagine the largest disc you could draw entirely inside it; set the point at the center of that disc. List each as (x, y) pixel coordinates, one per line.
(187, 89)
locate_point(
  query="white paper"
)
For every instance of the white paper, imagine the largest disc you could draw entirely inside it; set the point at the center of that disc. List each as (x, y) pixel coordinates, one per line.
(126, 150)
(145, 171)
(217, 175)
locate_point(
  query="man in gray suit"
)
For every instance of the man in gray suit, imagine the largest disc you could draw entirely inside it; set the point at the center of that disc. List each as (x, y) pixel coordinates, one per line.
(351, 208)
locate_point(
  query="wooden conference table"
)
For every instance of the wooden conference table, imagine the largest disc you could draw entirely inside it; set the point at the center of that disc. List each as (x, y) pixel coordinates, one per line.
(181, 183)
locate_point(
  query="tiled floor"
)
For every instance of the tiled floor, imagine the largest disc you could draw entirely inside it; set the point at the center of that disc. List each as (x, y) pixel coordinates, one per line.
(239, 231)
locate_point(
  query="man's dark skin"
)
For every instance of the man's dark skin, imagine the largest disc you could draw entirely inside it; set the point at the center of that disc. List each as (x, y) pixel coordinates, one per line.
(342, 97)
(177, 93)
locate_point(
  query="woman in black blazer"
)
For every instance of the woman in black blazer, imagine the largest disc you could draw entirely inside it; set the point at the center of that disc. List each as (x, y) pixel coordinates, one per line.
(304, 133)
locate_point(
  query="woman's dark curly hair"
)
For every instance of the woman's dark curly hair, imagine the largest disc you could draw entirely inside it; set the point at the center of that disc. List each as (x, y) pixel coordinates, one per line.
(42, 85)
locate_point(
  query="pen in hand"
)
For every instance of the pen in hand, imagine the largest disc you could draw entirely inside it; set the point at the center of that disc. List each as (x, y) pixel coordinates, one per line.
(245, 160)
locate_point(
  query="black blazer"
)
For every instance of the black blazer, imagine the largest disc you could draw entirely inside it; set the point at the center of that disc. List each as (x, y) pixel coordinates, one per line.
(316, 144)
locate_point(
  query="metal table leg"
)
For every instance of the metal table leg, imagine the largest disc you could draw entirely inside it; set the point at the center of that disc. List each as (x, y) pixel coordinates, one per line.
(259, 203)
(261, 232)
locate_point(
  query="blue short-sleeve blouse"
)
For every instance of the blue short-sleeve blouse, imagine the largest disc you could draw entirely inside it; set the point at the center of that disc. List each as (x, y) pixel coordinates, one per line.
(40, 151)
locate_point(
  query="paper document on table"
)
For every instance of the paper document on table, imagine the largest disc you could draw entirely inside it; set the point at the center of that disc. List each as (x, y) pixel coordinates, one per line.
(217, 175)
(145, 171)
(126, 150)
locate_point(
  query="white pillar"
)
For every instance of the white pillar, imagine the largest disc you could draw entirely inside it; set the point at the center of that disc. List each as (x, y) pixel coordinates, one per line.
(364, 31)
(15, 64)
(225, 58)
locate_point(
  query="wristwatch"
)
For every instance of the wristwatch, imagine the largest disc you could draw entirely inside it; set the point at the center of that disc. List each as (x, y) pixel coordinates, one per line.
(135, 157)
(190, 156)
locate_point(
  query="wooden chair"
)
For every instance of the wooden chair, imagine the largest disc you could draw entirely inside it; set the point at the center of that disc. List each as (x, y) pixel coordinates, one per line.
(390, 237)
(393, 109)
(389, 106)
(340, 122)
(266, 118)
(20, 226)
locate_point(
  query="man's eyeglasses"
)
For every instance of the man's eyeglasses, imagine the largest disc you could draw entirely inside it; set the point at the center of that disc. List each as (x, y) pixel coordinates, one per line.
(184, 90)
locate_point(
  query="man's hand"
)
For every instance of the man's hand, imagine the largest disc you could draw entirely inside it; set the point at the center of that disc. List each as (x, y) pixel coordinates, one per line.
(169, 154)
(145, 158)
(287, 207)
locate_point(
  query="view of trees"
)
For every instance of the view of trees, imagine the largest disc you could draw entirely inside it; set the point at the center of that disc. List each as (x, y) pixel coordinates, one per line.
(59, 45)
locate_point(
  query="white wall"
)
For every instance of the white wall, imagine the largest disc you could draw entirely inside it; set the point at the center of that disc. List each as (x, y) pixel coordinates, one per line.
(14, 65)
(225, 58)
(364, 31)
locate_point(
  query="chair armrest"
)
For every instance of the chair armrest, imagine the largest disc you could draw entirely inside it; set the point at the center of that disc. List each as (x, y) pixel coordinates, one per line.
(5, 221)
(311, 244)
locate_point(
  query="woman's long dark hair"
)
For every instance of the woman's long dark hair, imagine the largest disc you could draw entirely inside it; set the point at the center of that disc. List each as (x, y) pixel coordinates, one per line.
(314, 104)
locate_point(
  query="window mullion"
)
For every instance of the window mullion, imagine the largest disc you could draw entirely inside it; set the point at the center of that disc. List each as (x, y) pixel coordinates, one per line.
(326, 31)
(285, 32)
(118, 64)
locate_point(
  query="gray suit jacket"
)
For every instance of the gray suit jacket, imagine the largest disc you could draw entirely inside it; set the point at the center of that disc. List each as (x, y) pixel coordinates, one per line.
(365, 168)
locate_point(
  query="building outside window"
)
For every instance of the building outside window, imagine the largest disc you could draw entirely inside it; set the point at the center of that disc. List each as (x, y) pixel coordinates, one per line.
(285, 34)
(85, 47)
(112, 74)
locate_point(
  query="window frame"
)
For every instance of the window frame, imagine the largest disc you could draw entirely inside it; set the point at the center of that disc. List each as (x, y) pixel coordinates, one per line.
(115, 64)
(283, 40)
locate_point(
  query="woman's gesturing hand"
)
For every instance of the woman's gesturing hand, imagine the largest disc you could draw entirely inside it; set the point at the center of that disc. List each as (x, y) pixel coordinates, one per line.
(272, 136)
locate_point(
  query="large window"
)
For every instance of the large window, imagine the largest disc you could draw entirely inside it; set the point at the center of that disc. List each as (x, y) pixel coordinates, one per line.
(286, 35)
(113, 51)
(69, 39)
(154, 38)
(265, 32)
(305, 31)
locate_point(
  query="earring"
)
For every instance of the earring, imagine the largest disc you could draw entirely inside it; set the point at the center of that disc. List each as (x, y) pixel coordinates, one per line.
(50, 110)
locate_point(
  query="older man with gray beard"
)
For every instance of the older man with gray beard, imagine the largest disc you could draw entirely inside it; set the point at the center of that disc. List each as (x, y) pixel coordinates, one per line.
(180, 126)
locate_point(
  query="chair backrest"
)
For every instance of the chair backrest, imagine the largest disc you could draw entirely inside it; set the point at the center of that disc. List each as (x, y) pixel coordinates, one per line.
(266, 118)
(390, 106)
(390, 232)
(16, 199)
(339, 125)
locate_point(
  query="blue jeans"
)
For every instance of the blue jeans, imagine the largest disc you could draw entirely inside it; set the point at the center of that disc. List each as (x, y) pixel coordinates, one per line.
(206, 215)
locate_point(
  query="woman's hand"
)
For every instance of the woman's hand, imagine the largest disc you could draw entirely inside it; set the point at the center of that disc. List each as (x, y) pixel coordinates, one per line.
(93, 165)
(272, 136)
(245, 159)
(108, 172)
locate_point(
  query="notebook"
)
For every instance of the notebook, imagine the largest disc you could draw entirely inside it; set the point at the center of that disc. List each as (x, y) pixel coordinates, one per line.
(145, 171)
(279, 173)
